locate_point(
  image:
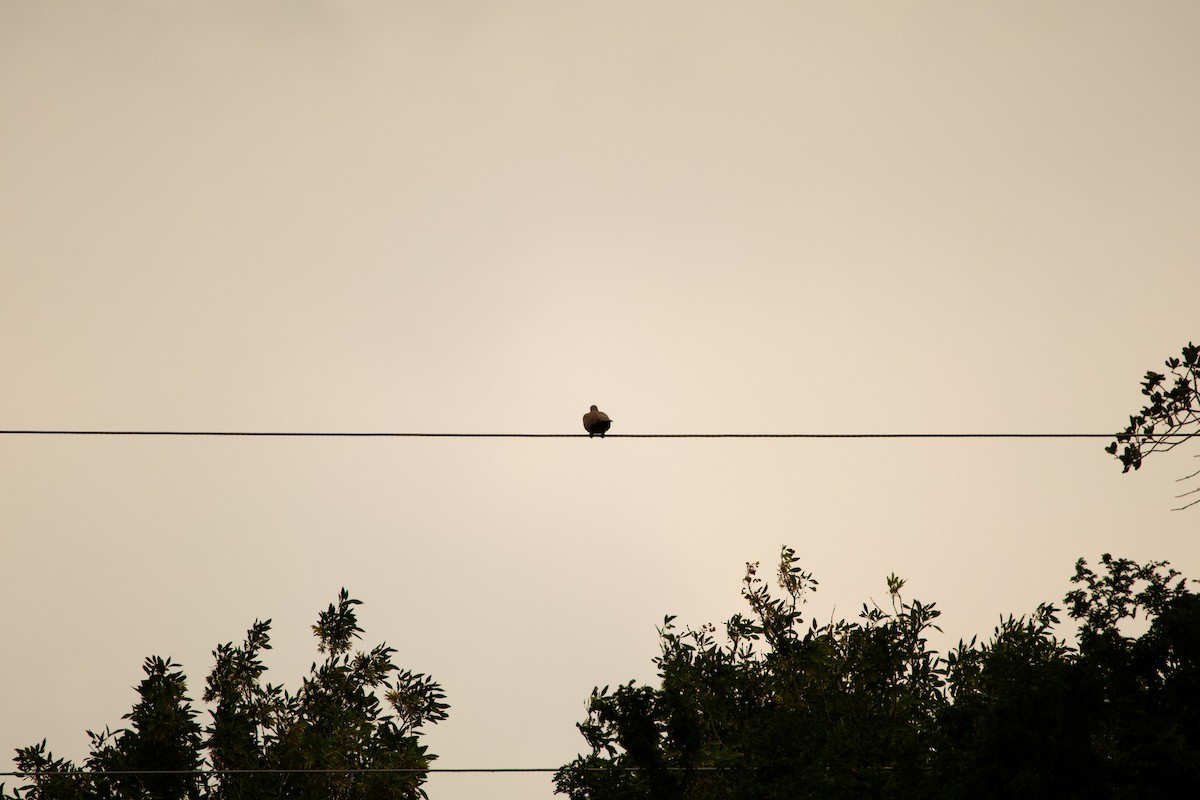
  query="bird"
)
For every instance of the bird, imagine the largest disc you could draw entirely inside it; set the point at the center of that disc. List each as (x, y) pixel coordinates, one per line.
(596, 422)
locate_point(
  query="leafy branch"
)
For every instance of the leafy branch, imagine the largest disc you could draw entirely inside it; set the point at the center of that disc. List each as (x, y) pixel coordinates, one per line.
(1171, 418)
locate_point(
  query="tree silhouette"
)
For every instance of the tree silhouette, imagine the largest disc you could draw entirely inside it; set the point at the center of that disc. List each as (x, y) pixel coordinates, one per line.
(1171, 418)
(777, 708)
(350, 732)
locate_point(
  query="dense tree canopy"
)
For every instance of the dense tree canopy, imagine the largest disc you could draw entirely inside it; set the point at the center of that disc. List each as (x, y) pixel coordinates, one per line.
(773, 706)
(260, 735)
(777, 708)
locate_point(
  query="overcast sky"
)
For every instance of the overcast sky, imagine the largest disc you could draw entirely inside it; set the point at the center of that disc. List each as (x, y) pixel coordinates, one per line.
(703, 217)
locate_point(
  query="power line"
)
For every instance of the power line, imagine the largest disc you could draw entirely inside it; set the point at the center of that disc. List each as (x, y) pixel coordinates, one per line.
(88, 773)
(391, 434)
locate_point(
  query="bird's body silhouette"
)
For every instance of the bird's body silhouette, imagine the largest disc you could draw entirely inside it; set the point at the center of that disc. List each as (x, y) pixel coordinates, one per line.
(596, 422)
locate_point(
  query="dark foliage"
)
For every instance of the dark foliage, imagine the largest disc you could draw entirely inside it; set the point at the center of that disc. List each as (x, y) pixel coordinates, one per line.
(335, 723)
(780, 709)
(1171, 417)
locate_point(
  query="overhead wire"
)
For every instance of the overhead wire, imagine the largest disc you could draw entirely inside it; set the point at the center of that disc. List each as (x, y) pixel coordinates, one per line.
(87, 773)
(392, 434)
(397, 434)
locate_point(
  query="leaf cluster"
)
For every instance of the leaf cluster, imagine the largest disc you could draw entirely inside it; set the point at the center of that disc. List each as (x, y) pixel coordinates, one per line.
(1172, 412)
(781, 708)
(355, 711)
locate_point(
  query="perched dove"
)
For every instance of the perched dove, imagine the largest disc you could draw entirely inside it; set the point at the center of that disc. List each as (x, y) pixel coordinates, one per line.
(596, 421)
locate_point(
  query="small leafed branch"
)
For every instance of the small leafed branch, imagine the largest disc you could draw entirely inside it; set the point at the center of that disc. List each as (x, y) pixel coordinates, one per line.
(1171, 418)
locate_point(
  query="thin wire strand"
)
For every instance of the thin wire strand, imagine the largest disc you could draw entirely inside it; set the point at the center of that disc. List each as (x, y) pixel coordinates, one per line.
(390, 434)
(344, 771)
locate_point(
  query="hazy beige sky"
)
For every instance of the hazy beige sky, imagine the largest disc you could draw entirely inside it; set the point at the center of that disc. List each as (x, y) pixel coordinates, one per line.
(485, 217)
